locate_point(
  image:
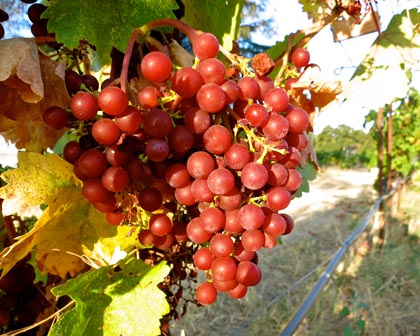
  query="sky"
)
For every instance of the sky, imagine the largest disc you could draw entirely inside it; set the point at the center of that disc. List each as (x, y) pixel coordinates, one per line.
(338, 60)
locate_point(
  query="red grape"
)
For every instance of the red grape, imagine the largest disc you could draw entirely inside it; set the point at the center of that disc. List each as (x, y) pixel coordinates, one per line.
(212, 219)
(129, 120)
(241, 254)
(115, 217)
(300, 57)
(256, 114)
(148, 97)
(181, 139)
(200, 164)
(298, 120)
(289, 223)
(146, 237)
(254, 175)
(223, 268)
(92, 163)
(237, 156)
(230, 200)
(203, 258)
(72, 151)
(177, 176)
(115, 179)
(206, 293)
(186, 82)
(221, 181)
(238, 292)
(211, 98)
(212, 70)
(248, 273)
(252, 240)
(56, 117)
(185, 196)
(160, 224)
(105, 131)
(205, 46)
(84, 106)
(157, 150)
(278, 198)
(221, 245)
(251, 216)
(94, 191)
(232, 224)
(197, 120)
(201, 191)
(277, 100)
(112, 100)
(225, 286)
(116, 157)
(231, 89)
(157, 123)
(276, 127)
(196, 232)
(217, 139)
(248, 88)
(294, 181)
(277, 174)
(156, 67)
(150, 199)
(274, 224)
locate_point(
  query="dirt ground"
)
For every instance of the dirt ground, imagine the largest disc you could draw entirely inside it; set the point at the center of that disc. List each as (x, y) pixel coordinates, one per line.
(327, 193)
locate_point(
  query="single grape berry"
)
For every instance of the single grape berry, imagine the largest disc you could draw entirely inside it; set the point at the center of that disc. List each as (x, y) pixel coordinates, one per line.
(186, 82)
(205, 46)
(105, 131)
(156, 67)
(56, 117)
(206, 293)
(112, 100)
(84, 106)
(300, 57)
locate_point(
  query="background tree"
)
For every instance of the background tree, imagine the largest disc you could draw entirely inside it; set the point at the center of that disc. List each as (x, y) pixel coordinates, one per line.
(344, 146)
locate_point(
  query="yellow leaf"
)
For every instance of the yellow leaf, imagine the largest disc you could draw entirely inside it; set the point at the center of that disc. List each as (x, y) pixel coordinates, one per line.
(69, 227)
(37, 180)
(30, 82)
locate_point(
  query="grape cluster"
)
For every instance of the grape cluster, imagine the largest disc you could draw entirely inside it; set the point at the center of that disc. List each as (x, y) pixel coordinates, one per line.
(206, 157)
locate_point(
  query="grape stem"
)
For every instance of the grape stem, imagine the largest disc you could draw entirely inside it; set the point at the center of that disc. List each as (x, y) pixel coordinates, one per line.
(190, 32)
(252, 138)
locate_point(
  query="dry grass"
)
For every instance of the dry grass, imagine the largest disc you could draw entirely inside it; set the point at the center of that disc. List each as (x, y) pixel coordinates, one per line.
(373, 294)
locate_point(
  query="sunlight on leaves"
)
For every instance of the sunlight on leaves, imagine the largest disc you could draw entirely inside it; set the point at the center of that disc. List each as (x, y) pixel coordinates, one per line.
(69, 227)
(122, 300)
(220, 17)
(112, 28)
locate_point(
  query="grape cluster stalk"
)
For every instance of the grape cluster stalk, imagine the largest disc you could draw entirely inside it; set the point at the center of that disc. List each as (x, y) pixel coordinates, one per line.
(205, 157)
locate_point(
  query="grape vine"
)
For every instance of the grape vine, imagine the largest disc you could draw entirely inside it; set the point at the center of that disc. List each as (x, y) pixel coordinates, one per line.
(198, 161)
(205, 162)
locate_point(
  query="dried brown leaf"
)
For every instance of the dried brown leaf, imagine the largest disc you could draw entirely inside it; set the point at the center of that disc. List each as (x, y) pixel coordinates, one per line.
(322, 90)
(30, 82)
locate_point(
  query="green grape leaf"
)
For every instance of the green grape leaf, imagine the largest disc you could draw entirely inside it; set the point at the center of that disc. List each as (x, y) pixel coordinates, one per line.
(220, 17)
(77, 20)
(70, 231)
(120, 300)
(309, 173)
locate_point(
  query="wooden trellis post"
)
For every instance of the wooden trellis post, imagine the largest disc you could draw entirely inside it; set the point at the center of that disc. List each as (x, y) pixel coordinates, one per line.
(378, 232)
